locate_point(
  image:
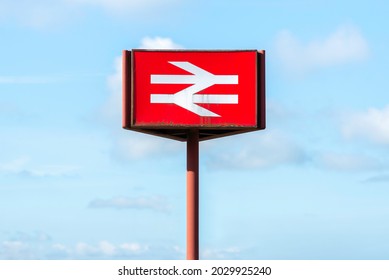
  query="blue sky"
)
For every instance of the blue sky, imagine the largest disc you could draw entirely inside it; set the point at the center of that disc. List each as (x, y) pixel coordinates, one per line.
(75, 185)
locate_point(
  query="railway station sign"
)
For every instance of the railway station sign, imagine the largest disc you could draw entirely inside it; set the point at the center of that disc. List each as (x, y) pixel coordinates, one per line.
(167, 92)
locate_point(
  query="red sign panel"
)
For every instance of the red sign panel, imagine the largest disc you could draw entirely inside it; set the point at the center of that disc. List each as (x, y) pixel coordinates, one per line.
(193, 89)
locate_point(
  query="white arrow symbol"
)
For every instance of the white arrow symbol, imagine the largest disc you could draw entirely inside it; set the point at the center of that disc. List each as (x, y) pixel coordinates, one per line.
(200, 80)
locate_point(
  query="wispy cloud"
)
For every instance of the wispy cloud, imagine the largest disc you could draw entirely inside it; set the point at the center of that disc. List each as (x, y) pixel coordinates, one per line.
(35, 250)
(27, 79)
(109, 250)
(155, 203)
(15, 250)
(36, 14)
(24, 246)
(131, 145)
(271, 149)
(124, 6)
(344, 45)
(225, 253)
(347, 162)
(45, 14)
(372, 125)
(380, 178)
(36, 236)
(24, 166)
(39, 245)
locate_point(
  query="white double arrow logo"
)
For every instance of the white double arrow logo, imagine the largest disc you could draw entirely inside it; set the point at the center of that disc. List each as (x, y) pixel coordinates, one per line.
(200, 80)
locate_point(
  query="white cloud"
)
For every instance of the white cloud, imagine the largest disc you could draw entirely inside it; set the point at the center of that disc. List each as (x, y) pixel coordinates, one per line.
(24, 166)
(124, 6)
(268, 149)
(103, 250)
(15, 250)
(38, 245)
(133, 248)
(372, 125)
(159, 43)
(347, 162)
(23, 246)
(14, 166)
(344, 45)
(156, 203)
(107, 248)
(134, 145)
(60, 250)
(83, 248)
(227, 253)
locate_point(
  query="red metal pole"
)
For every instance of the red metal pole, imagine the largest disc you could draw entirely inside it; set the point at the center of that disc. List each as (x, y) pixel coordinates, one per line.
(192, 195)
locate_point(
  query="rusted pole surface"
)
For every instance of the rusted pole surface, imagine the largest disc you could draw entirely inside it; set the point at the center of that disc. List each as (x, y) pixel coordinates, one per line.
(192, 195)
